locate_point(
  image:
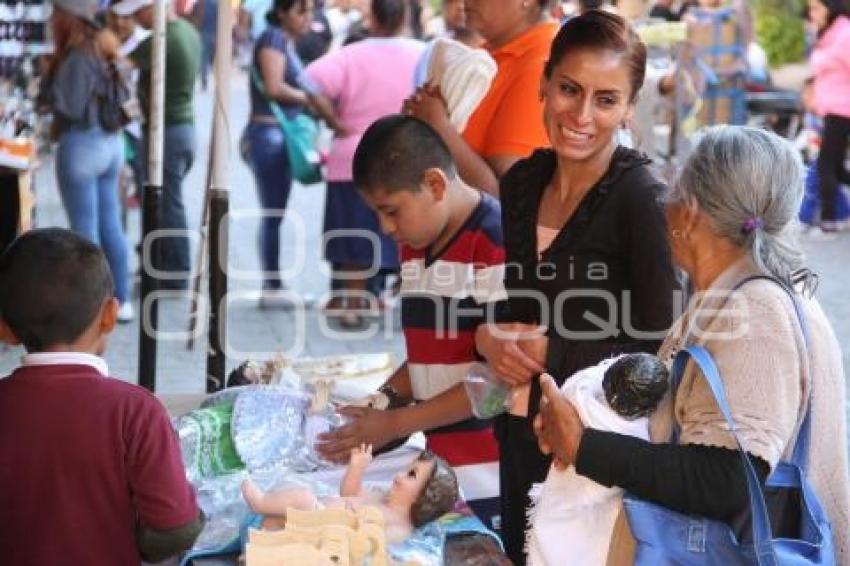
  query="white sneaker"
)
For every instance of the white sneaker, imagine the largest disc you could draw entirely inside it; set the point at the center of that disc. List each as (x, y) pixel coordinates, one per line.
(126, 312)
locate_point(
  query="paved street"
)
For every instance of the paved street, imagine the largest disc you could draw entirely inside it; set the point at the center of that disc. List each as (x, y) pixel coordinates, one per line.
(265, 332)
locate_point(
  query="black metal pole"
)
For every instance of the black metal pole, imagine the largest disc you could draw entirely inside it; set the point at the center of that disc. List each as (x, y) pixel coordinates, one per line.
(152, 207)
(149, 317)
(218, 246)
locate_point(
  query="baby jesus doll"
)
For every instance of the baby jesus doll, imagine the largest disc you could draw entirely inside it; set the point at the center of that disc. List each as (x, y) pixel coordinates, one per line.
(572, 517)
(423, 491)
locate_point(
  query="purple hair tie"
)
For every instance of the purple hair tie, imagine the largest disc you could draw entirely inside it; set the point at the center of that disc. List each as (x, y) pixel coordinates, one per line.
(752, 224)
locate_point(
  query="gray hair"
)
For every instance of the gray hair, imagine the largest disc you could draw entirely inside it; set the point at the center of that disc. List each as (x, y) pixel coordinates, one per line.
(750, 183)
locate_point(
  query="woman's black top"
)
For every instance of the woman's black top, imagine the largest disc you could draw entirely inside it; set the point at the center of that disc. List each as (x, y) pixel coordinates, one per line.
(606, 284)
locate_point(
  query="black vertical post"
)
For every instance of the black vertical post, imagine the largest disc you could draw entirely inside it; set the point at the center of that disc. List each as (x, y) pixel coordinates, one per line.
(218, 238)
(149, 317)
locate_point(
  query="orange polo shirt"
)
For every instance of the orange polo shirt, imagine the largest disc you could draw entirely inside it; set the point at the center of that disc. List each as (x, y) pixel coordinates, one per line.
(509, 121)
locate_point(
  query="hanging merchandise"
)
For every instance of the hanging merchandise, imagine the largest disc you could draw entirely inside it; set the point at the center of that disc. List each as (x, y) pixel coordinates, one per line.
(23, 36)
(23, 40)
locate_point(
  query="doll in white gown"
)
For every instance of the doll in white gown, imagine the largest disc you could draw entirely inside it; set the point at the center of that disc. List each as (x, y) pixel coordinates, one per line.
(572, 517)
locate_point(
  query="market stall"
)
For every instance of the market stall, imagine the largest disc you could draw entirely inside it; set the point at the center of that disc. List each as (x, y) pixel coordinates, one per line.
(23, 39)
(17, 167)
(266, 430)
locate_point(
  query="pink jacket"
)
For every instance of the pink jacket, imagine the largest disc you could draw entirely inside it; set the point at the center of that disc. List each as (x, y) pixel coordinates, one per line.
(831, 65)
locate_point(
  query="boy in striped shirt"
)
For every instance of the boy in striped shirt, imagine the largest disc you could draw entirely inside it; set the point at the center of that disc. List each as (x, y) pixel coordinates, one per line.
(452, 267)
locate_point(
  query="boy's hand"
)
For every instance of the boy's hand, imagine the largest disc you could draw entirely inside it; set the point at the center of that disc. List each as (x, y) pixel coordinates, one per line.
(361, 457)
(365, 426)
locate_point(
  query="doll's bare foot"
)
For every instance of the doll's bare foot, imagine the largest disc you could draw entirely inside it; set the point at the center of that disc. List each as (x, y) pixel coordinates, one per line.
(275, 502)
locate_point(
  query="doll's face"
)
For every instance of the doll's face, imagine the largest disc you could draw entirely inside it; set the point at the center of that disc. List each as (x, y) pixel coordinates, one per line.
(409, 483)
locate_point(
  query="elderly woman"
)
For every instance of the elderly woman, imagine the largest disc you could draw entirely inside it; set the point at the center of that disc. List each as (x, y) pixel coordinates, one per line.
(730, 218)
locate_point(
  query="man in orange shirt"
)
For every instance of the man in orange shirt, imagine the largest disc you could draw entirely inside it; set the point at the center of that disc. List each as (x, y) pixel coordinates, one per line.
(508, 124)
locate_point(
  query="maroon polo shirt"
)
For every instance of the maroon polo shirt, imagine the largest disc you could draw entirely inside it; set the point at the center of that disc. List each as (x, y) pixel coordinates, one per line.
(83, 460)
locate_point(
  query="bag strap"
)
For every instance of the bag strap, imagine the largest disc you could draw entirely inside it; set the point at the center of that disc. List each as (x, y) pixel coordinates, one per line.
(800, 456)
(277, 111)
(762, 535)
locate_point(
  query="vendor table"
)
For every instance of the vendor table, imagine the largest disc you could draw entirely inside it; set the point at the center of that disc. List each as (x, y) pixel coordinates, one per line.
(16, 203)
(464, 549)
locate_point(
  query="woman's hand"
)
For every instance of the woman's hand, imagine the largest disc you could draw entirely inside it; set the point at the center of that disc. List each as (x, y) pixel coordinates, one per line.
(515, 351)
(557, 425)
(366, 426)
(323, 107)
(428, 105)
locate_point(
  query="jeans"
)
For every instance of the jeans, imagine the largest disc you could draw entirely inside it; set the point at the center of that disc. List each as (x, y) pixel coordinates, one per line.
(810, 207)
(87, 167)
(178, 154)
(137, 163)
(207, 56)
(831, 171)
(270, 164)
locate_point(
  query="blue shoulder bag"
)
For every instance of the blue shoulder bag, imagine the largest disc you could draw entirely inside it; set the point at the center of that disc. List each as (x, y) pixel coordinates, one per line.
(666, 537)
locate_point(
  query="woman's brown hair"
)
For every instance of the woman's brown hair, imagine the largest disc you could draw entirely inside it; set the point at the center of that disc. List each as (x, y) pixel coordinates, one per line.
(71, 32)
(600, 30)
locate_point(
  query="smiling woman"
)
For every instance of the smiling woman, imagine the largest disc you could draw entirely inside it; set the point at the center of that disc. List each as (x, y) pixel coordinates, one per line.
(584, 203)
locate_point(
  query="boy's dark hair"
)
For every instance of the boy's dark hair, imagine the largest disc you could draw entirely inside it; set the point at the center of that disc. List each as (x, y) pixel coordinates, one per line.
(52, 284)
(395, 152)
(439, 494)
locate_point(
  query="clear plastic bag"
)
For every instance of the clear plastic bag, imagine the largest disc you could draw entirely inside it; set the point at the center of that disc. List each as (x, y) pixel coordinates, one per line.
(206, 443)
(424, 547)
(272, 429)
(488, 395)
(225, 510)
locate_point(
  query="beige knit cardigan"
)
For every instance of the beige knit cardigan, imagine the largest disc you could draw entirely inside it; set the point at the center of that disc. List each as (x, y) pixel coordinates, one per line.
(755, 339)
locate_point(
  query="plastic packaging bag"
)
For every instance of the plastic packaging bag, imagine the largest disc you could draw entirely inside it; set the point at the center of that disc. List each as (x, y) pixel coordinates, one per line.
(489, 396)
(206, 444)
(272, 428)
(424, 547)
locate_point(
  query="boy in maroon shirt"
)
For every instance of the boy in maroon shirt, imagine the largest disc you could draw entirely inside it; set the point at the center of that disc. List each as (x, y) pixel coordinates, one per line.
(90, 467)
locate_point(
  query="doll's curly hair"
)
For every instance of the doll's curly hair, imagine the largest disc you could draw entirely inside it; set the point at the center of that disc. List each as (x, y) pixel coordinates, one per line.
(439, 494)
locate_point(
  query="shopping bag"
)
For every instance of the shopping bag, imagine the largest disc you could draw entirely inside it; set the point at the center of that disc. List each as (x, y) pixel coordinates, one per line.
(664, 536)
